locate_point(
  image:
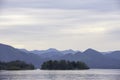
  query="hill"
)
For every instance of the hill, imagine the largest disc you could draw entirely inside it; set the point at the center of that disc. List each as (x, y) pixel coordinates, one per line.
(93, 58)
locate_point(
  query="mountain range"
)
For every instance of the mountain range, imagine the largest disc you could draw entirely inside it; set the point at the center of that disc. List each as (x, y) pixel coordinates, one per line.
(93, 58)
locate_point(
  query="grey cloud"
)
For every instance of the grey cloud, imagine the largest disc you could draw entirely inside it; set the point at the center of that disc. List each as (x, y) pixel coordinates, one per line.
(79, 24)
(114, 34)
(98, 5)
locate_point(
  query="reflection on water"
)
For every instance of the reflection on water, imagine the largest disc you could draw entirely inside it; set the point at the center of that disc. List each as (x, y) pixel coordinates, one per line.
(92, 74)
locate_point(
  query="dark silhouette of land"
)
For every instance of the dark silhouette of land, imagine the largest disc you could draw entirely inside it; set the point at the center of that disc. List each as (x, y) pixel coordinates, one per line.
(63, 65)
(16, 65)
(93, 58)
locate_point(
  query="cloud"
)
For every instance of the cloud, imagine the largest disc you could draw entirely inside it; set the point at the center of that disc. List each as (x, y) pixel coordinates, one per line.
(54, 16)
(78, 24)
(98, 5)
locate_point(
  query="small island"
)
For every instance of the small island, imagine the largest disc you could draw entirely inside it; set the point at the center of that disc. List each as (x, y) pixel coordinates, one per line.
(63, 65)
(16, 65)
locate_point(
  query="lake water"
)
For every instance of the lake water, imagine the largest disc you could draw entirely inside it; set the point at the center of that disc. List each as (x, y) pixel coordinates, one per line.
(92, 74)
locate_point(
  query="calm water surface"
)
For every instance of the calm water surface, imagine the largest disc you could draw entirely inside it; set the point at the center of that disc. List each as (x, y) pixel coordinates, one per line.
(92, 74)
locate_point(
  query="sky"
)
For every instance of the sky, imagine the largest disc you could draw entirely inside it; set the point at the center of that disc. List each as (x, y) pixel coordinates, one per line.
(60, 24)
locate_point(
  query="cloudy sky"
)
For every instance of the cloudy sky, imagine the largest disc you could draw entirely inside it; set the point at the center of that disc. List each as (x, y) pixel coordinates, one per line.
(61, 24)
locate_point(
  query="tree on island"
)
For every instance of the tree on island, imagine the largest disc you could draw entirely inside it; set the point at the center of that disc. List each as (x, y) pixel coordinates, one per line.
(63, 65)
(16, 65)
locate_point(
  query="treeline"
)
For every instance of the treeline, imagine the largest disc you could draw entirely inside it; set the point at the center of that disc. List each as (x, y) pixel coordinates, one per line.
(48, 65)
(16, 65)
(63, 65)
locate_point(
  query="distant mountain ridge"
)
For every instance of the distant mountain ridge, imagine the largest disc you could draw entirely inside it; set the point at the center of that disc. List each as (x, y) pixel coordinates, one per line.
(9, 53)
(93, 58)
(53, 50)
(114, 55)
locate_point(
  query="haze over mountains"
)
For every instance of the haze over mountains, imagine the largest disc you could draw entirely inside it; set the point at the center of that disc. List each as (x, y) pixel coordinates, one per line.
(91, 57)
